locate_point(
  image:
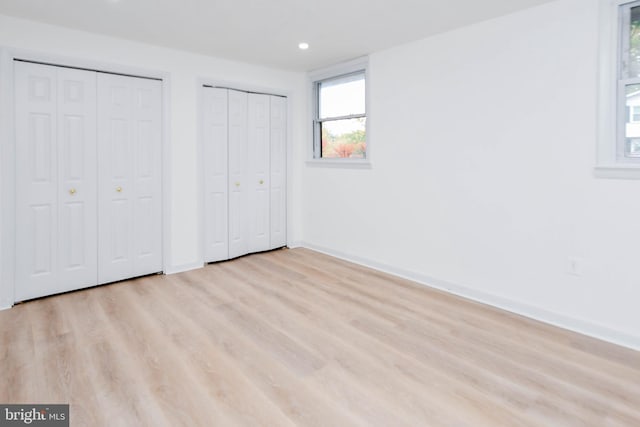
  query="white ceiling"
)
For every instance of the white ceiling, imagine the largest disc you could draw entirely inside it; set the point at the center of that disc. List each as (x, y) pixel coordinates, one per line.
(267, 31)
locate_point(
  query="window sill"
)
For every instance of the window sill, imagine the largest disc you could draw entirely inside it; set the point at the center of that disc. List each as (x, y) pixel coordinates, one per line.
(340, 163)
(617, 171)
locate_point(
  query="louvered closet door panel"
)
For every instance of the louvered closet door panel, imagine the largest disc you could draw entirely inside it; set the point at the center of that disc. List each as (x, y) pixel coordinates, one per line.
(129, 174)
(55, 180)
(258, 162)
(237, 147)
(278, 170)
(215, 135)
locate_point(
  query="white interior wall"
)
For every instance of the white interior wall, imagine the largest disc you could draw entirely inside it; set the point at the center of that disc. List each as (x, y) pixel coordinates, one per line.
(184, 70)
(482, 182)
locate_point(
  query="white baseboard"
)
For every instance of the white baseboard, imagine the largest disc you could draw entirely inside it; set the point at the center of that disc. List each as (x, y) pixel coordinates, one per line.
(540, 314)
(174, 269)
(295, 244)
(5, 307)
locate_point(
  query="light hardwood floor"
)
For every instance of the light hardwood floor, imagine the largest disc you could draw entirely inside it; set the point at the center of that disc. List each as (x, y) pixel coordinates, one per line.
(293, 337)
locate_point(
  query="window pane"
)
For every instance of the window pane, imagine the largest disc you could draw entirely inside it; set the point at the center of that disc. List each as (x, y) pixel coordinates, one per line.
(634, 43)
(633, 147)
(632, 125)
(344, 139)
(343, 96)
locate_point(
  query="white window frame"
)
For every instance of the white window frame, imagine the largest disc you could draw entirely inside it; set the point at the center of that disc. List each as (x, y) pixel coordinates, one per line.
(612, 116)
(336, 71)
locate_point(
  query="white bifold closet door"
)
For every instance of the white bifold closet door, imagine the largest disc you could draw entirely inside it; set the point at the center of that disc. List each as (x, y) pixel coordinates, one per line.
(244, 138)
(130, 183)
(259, 177)
(56, 215)
(215, 134)
(238, 105)
(278, 168)
(88, 178)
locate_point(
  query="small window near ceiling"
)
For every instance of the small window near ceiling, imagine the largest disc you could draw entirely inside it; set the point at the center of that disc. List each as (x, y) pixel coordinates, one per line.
(340, 122)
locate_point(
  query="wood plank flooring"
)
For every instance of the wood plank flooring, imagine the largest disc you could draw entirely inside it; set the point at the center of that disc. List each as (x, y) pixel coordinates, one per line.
(293, 337)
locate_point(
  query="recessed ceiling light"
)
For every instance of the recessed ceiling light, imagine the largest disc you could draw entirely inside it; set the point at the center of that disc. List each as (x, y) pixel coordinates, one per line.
(303, 46)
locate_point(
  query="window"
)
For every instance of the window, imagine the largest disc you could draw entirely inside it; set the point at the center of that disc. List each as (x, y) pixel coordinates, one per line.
(619, 92)
(340, 114)
(629, 82)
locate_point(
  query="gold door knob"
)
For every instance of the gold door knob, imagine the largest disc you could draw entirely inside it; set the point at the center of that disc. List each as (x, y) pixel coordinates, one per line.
(119, 189)
(72, 191)
(237, 184)
(261, 182)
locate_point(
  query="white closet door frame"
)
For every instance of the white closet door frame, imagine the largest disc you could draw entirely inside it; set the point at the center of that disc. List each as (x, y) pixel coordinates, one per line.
(7, 181)
(201, 85)
(8, 159)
